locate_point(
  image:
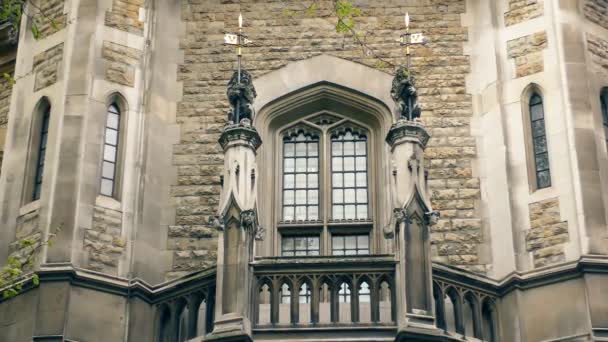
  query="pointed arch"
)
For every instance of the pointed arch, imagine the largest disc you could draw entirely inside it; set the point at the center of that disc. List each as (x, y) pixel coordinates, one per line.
(113, 154)
(536, 138)
(39, 138)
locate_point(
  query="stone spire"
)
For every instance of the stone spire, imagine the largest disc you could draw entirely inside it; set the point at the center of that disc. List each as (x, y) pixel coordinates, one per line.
(237, 219)
(412, 213)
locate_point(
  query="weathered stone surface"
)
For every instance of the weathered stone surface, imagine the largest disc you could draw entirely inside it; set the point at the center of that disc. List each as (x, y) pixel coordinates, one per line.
(598, 48)
(46, 66)
(124, 16)
(441, 69)
(54, 18)
(596, 11)
(121, 63)
(104, 241)
(547, 233)
(522, 10)
(6, 89)
(528, 53)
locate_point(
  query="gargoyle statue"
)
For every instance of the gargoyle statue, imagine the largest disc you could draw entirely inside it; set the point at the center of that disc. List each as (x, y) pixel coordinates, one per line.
(405, 95)
(241, 96)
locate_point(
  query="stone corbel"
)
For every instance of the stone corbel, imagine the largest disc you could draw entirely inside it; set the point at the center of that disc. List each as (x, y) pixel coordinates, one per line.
(397, 217)
(431, 217)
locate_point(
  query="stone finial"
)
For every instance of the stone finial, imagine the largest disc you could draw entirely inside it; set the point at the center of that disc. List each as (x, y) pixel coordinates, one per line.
(241, 95)
(405, 95)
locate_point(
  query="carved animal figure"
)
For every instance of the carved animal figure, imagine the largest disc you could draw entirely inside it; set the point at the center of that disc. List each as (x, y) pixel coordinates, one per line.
(404, 94)
(241, 96)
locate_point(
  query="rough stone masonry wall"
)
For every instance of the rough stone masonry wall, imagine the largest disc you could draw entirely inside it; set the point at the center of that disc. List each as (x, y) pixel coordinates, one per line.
(597, 11)
(528, 53)
(124, 16)
(283, 33)
(547, 233)
(54, 18)
(121, 63)
(104, 241)
(46, 66)
(522, 10)
(599, 50)
(6, 89)
(27, 229)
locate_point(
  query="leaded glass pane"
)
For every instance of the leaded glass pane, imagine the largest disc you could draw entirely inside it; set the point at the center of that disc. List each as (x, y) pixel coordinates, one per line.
(107, 170)
(350, 244)
(111, 137)
(44, 130)
(301, 172)
(539, 142)
(349, 175)
(536, 112)
(289, 182)
(106, 187)
(299, 245)
(109, 153)
(113, 121)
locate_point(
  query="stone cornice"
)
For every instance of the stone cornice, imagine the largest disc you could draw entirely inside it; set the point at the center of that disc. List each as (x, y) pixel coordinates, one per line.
(240, 135)
(589, 264)
(404, 130)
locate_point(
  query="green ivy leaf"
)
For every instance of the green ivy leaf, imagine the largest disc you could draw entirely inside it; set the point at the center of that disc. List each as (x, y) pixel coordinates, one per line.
(35, 280)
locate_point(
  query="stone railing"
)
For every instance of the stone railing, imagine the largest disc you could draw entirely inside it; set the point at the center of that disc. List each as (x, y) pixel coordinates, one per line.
(324, 291)
(465, 303)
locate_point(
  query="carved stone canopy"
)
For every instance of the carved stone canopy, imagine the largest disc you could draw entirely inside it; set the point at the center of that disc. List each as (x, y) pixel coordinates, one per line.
(241, 95)
(405, 95)
(243, 134)
(405, 130)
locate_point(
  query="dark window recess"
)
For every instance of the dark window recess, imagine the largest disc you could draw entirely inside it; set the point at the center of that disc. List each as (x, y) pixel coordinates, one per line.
(301, 178)
(349, 176)
(110, 152)
(604, 104)
(44, 133)
(350, 244)
(539, 143)
(299, 245)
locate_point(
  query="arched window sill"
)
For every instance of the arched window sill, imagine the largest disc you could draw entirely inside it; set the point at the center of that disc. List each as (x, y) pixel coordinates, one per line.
(28, 208)
(108, 203)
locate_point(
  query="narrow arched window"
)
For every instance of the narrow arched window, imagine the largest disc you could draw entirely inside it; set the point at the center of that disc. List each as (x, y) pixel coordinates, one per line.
(539, 142)
(301, 176)
(349, 175)
(110, 151)
(604, 105)
(42, 142)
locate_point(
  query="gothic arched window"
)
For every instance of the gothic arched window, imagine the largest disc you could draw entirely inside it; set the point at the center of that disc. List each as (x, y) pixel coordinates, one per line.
(110, 151)
(539, 142)
(324, 187)
(42, 143)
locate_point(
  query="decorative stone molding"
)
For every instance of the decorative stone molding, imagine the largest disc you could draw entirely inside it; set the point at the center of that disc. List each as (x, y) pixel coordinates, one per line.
(404, 130)
(240, 135)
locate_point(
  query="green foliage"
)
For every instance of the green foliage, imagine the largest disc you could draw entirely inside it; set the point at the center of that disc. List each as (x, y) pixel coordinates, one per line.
(14, 274)
(346, 11)
(10, 12)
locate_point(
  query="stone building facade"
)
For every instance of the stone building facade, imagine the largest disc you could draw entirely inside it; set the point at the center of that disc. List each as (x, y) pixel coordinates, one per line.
(483, 220)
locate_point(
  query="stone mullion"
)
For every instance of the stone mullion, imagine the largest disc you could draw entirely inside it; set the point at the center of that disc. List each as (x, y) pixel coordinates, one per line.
(174, 321)
(375, 300)
(440, 309)
(209, 310)
(477, 318)
(315, 300)
(334, 303)
(354, 300)
(275, 299)
(295, 303)
(459, 314)
(393, 300)
(256, 303)
(193, 305)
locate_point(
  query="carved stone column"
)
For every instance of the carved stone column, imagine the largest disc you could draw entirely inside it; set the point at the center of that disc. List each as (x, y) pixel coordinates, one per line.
(237, 219)
(409, 227)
